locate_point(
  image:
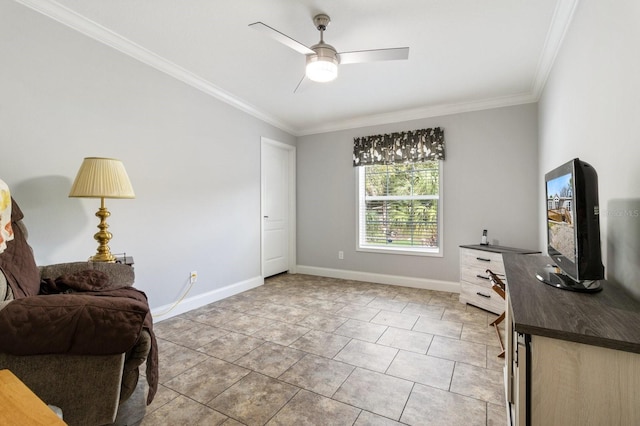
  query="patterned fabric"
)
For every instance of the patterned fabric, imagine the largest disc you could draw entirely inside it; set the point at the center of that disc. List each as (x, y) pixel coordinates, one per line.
(6, 232)
(17, 262)
(406, 147)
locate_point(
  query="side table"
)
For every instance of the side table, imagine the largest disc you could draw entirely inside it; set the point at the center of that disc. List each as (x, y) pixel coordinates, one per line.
(20, 406)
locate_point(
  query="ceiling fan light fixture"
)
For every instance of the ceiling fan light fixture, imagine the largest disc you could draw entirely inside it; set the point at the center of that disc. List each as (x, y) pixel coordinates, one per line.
(323, 66)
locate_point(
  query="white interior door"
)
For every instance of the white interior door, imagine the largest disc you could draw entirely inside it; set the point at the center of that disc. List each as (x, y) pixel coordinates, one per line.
(278, 206)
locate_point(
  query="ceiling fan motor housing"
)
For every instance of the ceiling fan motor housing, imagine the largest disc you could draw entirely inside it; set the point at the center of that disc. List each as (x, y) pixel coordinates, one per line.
(323, 66)
(321, 21)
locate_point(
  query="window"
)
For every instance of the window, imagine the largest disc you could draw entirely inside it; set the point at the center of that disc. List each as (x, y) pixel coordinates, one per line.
(399, 208)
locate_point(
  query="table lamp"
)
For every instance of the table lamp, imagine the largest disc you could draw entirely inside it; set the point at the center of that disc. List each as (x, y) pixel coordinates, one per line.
(102, 178)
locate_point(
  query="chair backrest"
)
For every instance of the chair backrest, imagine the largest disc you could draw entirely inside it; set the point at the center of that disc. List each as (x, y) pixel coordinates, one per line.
(16, 260)
(496, 283)
(6, 231)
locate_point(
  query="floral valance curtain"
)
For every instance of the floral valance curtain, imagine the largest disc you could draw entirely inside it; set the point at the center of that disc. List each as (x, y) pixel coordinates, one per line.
(406, 147)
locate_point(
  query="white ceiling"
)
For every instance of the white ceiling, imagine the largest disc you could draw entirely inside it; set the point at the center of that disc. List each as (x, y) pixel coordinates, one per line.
(464, 54)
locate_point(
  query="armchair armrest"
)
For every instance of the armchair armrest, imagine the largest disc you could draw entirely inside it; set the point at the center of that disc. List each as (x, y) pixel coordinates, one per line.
(73, 383)
(132, 360)
(120, 275)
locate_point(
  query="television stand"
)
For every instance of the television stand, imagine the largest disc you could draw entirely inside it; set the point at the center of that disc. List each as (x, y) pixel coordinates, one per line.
(554, 277)
(572, 358)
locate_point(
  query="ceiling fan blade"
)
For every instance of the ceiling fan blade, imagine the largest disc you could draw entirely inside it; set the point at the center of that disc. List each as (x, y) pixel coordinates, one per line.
(359, 56)
(282, 38)
(303, 85)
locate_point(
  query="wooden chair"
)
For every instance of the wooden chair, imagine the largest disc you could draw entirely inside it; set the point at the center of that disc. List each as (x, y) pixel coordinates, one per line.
(499, 287)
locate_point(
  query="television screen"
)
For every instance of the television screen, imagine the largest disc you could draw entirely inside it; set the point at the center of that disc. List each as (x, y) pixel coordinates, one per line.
(560, 218)
(573, 228)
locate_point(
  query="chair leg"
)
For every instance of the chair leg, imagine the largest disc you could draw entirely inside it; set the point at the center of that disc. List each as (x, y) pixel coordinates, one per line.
(495, 325)
(498, 320)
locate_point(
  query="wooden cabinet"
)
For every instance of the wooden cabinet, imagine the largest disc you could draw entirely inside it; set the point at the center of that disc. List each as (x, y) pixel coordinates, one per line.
(475, 287)
(571, 358)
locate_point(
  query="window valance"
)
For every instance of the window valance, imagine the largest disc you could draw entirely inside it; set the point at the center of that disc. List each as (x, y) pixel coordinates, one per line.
(405, 147)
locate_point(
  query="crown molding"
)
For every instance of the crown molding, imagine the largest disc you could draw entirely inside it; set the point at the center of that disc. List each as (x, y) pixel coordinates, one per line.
(561, 20)
(420, 113)
(92, 29)
(562, 17)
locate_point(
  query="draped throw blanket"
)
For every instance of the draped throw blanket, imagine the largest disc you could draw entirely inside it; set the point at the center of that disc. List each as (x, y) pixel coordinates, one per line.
(405, 147)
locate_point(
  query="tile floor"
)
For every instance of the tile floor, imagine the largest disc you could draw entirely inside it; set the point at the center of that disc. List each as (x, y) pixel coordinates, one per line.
(306, 350)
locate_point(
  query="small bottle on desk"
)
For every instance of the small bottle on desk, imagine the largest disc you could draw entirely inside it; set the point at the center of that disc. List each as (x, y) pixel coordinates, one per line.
(484, 241)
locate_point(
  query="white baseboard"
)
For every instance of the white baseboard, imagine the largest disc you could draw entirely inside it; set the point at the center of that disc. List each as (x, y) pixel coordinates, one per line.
(424, 283)
(162, 313)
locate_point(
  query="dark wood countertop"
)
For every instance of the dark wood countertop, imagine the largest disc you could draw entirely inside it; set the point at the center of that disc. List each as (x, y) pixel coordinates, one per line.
(499, 249)
(609, 318)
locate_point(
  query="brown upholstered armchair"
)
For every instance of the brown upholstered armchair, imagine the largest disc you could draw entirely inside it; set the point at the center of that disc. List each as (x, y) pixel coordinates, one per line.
(80, 348)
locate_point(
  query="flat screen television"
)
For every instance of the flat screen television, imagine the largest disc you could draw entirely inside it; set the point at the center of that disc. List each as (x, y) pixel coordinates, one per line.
(573, 228)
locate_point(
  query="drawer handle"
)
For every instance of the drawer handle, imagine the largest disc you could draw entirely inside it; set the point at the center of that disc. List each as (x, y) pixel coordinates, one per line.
(483, 259)
(483, 295)
(483, 277)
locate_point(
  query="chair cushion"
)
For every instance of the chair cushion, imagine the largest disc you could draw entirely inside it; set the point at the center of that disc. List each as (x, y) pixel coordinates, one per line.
(85, 280)
(104, 323)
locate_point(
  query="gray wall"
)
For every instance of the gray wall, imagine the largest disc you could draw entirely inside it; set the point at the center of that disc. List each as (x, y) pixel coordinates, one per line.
(490, 182)
(590, 109)
(194, 162)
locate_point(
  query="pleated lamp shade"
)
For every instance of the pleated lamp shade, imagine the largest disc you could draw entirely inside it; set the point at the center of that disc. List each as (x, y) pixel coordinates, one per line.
(102, 178)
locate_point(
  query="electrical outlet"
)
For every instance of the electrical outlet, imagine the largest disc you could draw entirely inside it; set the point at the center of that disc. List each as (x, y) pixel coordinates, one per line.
(194, 276)
(341, 255)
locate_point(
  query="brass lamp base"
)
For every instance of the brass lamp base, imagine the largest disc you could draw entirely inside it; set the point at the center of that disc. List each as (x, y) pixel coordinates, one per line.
(103, 236)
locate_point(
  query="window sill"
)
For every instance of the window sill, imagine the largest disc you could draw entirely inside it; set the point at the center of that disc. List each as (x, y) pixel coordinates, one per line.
(401, 251)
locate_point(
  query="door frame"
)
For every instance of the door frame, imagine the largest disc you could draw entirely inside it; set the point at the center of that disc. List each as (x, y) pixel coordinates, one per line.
(291, 176)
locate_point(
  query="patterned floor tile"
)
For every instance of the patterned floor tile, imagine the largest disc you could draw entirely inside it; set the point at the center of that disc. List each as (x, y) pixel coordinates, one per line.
(386, 304)
(439, 327)
(188, 333)
(361, 313)
(479, 333)
(175, 359)
(321, 343)
(424, 369)
(281, 333)
(367, 355)
(207, 380)
(496, 415)
(231, 346)
(361, 330)
(457, 350)
(253, 400)
(369, 419)
(322, 322)
(270, 359)
(375, 392)
(424, 310)
(413, 341)
(308, 408)
(395, 319)
(429, 406)
(480, 383)
(183, 411)
(246, 324)
(317, 374)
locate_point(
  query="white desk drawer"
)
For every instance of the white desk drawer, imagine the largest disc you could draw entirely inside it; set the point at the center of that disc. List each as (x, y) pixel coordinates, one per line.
(482, 297)
(481, 260)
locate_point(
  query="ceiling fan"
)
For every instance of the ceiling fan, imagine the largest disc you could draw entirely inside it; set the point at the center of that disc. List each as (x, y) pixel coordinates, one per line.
(322, 58)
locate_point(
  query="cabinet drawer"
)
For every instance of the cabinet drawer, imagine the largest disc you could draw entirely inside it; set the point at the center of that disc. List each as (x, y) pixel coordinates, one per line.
(482, 297)
(477, 276)
(482, 260)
